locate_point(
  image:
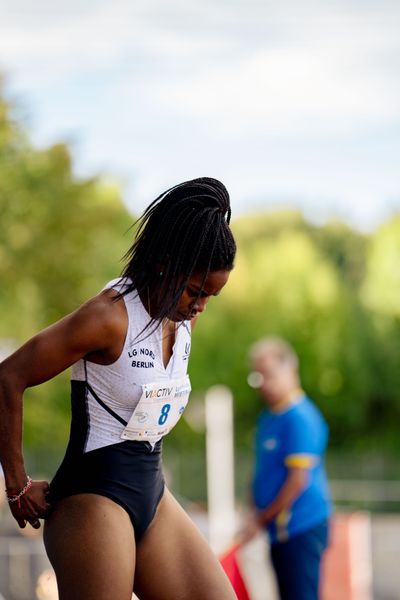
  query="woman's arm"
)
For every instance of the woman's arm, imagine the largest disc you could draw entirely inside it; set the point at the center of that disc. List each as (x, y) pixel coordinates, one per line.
(97, 328)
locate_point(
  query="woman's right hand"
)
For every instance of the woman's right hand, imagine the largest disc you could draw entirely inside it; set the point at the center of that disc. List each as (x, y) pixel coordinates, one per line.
(32, 506)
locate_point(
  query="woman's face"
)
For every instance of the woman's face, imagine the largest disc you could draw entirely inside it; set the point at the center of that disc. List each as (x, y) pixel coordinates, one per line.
(196, 296)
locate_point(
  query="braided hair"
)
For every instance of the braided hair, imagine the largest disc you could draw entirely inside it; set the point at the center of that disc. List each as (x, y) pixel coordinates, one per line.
(183, 231)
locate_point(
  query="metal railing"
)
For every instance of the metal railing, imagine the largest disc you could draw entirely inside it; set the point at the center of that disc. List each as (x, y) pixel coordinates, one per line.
(363, 491)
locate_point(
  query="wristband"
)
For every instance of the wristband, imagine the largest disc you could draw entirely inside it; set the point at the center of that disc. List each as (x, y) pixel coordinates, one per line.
(17, 497)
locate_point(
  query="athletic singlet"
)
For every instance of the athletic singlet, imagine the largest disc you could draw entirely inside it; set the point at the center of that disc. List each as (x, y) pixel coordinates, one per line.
(112, 392)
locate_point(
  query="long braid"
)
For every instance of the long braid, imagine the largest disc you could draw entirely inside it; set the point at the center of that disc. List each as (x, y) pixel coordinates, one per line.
(184, 230)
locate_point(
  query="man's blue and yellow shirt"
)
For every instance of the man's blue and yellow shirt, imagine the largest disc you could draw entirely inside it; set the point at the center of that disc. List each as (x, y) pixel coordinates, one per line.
(295, 437)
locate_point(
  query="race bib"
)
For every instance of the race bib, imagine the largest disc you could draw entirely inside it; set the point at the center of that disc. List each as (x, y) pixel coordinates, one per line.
(159, 409)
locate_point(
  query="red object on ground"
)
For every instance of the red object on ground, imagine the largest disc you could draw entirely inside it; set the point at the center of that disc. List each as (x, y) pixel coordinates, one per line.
(230, 564)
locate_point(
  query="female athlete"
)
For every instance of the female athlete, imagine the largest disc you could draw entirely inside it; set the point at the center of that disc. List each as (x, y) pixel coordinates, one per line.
(111, 525)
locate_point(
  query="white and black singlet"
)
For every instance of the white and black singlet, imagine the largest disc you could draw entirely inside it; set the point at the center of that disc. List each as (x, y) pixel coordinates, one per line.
(120, 413)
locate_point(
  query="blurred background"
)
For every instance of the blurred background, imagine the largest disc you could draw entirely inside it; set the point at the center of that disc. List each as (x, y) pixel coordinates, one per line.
(296, 108)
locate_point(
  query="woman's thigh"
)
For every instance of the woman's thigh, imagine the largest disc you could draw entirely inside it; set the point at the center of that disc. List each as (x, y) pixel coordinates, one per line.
(91, 544)
(174, 561)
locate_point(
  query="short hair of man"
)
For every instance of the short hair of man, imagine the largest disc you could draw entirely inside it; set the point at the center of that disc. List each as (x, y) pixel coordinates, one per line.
(276, 346)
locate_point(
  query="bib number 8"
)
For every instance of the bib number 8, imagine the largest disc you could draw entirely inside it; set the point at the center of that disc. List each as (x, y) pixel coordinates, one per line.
(164, 414)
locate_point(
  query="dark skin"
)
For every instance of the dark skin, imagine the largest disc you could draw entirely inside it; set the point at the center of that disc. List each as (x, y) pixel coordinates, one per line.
(193, 302)
(89, 538)
(82, 333)
(96, 331)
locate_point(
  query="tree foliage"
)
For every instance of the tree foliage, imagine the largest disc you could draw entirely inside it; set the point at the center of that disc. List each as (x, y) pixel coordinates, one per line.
(61, 239)
(319, 287)
(331, 291)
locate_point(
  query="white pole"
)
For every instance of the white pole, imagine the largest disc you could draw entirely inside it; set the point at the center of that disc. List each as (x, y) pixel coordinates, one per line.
(220, 467)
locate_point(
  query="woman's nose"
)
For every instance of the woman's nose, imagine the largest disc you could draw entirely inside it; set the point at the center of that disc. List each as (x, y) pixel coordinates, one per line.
(201, 304)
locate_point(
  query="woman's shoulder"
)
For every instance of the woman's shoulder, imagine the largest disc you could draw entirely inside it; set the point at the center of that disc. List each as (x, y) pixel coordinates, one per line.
(123, 285)
(106, 311)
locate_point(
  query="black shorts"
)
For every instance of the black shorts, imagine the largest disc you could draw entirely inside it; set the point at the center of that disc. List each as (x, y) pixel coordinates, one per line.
(129, 473)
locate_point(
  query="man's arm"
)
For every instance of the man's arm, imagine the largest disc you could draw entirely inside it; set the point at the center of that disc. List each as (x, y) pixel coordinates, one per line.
(294, 485)
(296, 481)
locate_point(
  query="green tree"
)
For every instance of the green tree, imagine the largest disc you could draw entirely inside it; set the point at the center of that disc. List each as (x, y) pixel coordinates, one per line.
(61, 239)
(287, 281)
(380, 295)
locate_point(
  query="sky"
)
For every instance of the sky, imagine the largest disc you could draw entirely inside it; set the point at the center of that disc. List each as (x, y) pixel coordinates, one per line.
(290, 104)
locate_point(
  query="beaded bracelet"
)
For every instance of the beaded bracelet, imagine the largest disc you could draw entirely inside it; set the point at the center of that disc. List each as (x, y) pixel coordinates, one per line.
(17, 497)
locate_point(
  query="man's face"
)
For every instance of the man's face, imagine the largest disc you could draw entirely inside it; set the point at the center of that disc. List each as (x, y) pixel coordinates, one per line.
(277, 378)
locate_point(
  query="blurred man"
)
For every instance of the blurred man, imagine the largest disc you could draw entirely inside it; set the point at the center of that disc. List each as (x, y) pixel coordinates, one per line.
(290, 490)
